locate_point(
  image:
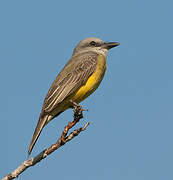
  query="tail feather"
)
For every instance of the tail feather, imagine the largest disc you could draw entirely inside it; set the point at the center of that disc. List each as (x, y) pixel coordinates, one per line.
(41, 123)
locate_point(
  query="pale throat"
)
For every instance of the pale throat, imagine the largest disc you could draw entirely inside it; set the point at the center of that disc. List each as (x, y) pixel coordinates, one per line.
(98, 50)
(101, 51)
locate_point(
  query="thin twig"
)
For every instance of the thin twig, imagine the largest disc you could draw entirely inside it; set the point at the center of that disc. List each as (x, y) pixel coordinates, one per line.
(61, 141)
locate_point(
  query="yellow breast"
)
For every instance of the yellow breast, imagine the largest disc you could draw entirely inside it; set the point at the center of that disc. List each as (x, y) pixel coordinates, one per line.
(93, 81)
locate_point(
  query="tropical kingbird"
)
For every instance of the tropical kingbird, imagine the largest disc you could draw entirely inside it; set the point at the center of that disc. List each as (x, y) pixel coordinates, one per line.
(78, 79)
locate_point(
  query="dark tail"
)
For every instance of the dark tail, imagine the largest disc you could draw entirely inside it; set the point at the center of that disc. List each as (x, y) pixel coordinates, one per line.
(41, 123)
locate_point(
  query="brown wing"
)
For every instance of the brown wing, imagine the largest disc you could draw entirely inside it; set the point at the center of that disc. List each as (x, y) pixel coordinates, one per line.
(71, 78)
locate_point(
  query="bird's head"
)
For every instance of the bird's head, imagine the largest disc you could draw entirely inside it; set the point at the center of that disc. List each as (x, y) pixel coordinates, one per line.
(94, 44)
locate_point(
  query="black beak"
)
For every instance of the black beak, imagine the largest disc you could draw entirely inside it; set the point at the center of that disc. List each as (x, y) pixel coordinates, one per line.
(109, 45)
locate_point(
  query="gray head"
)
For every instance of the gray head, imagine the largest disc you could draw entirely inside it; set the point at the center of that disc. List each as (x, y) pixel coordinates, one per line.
(94, 44)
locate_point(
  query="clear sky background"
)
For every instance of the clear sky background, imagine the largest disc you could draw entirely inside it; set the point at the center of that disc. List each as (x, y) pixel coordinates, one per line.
(131, 113)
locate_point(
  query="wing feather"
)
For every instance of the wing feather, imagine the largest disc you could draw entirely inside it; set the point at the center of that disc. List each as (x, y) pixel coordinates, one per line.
(70, 79)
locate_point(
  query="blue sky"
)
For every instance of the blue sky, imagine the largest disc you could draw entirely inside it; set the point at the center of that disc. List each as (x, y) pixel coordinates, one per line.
(130, 135)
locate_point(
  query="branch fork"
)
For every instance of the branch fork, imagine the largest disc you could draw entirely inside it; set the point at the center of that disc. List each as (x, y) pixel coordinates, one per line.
(78, 114)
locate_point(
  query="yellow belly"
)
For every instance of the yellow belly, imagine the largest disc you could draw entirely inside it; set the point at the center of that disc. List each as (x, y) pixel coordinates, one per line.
(91, 85)
(93, 81)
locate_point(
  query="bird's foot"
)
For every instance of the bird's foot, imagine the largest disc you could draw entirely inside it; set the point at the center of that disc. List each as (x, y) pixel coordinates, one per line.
(78, 110)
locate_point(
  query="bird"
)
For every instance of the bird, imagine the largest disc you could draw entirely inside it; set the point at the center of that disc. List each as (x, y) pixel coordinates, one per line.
(79, 78)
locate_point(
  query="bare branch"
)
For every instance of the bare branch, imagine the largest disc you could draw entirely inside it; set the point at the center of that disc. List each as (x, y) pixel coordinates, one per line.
(61, 141)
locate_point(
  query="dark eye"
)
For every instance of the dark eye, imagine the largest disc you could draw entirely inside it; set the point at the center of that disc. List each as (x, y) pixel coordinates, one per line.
(93, 43)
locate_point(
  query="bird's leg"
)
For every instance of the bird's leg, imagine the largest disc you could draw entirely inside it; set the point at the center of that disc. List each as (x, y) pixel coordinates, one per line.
(78, 110)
